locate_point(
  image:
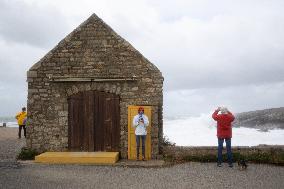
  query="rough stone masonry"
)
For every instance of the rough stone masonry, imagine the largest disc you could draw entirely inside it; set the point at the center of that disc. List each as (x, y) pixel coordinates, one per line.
(93, 50)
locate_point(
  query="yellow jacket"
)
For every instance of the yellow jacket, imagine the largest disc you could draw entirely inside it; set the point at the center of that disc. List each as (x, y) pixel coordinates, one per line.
(20, 117)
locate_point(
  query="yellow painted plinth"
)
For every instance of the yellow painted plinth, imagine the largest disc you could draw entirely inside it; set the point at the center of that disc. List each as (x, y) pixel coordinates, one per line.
(78, 157)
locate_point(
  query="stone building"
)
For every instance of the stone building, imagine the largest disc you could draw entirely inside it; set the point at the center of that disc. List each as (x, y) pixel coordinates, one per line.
(91, 78)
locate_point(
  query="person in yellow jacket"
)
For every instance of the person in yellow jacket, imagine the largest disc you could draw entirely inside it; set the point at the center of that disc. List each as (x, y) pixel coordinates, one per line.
(22, 118)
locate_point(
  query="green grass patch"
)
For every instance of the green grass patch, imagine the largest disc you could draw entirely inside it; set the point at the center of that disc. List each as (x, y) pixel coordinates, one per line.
(169, 158)
(266, 157)
(200, 158)
(272, 157)
(27, 154)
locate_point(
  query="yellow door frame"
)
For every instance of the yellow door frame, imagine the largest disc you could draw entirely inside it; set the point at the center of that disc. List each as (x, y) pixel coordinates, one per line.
(132, 111)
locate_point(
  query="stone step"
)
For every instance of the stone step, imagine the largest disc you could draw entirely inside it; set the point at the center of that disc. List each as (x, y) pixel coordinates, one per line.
(78, 157)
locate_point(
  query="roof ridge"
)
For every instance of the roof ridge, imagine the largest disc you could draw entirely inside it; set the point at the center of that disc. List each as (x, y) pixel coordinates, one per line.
(66, 39)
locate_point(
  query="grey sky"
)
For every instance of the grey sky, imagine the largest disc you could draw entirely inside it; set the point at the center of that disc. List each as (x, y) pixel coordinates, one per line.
(210, 52)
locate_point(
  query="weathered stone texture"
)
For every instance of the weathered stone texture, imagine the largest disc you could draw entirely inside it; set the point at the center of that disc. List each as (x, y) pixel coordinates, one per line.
(92, 50)
(181, 152)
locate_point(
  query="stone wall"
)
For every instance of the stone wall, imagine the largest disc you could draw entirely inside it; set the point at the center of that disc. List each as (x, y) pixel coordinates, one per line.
(92, 50)
(182, 152)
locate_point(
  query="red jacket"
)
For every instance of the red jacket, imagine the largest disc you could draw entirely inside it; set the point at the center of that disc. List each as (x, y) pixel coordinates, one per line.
(224, 127)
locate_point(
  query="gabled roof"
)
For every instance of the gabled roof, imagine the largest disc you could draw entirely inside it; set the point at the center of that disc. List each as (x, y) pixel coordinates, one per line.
(93, 18)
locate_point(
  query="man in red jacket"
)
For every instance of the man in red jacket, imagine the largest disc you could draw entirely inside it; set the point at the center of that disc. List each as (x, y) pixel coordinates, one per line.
(224, 132)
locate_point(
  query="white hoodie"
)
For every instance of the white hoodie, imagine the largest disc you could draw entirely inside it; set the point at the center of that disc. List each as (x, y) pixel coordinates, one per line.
(140, 127)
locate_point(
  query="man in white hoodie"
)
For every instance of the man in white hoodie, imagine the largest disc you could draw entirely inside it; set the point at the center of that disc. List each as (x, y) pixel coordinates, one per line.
(140, 122)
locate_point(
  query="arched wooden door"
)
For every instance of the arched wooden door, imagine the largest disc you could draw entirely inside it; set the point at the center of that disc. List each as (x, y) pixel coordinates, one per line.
(93, 122)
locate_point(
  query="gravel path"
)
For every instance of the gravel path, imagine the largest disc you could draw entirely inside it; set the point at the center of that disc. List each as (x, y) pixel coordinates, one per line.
(188, 175)
(10, 145)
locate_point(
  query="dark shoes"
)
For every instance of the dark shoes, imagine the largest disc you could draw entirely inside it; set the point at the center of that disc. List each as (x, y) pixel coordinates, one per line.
(220, 165)
(143, 158)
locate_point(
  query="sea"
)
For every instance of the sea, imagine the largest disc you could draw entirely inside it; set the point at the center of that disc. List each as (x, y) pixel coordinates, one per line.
(9, 120)
(201, 131)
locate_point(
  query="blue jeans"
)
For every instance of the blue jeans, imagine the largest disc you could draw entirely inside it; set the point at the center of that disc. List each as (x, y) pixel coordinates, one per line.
(228, 147)
(143, 138)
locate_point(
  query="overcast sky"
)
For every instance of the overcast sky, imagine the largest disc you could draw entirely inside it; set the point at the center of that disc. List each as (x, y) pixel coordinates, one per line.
(211, 53)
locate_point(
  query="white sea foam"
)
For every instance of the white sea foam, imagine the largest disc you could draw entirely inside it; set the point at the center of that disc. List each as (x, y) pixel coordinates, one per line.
(201, 131)
(9, 124)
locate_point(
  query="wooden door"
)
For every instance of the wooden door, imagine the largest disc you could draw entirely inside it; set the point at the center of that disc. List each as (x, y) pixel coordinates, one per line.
(93, 122)
(107, 122)
(132, 111)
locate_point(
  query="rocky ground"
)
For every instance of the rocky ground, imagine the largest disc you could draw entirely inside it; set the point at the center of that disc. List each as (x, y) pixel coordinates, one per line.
(187, 175)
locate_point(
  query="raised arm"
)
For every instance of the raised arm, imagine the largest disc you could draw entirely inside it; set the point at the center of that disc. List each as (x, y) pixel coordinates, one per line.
(215, 115)
(17, 116)
(146, 120)
(135, 121)
(231, 115)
